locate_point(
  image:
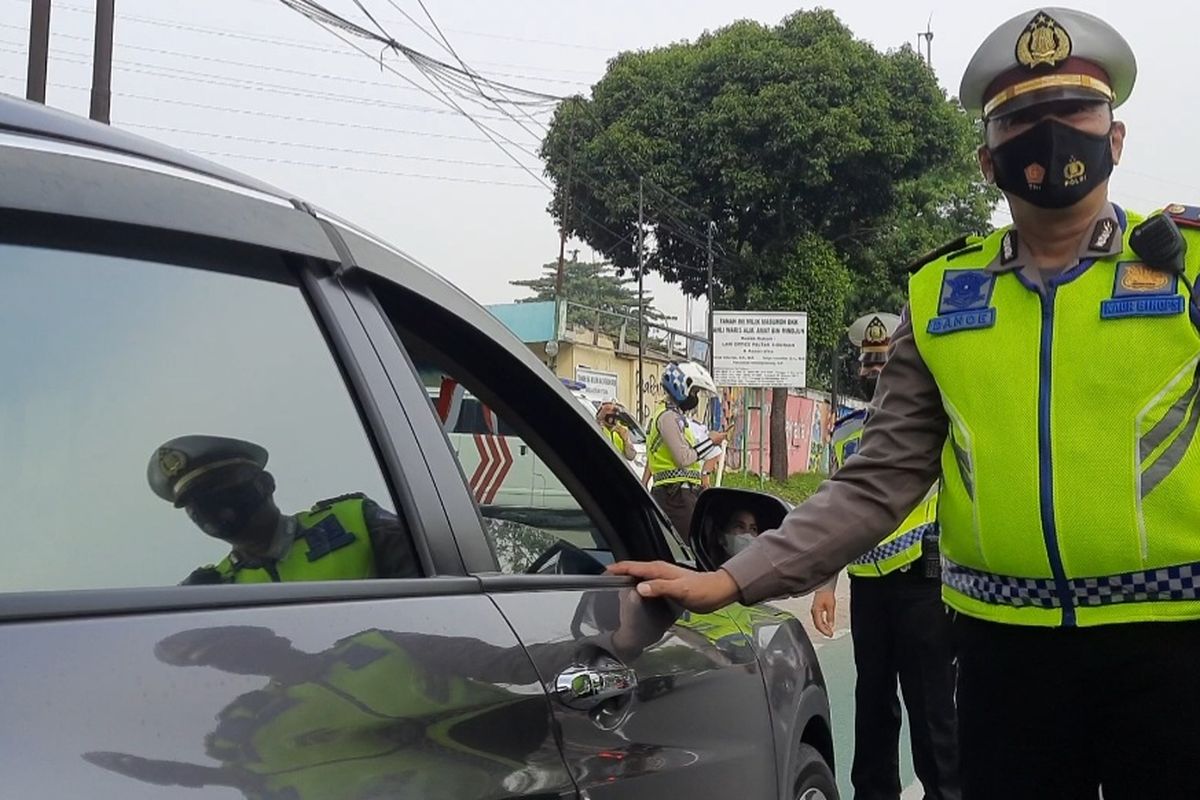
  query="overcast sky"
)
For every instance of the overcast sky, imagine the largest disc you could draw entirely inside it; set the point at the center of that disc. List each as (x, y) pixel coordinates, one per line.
(254, 85)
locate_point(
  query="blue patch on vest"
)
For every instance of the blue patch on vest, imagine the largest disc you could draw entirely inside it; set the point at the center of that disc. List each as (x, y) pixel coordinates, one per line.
(1121, 308)
(326, 536)
(966, 290)
(962, 321)
(850, 449)
(1142, 291)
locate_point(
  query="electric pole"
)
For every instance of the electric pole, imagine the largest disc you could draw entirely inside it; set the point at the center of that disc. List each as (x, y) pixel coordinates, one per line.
(39, 51)
(711, 357)
(102, 63)
(927, 35)
(562, 228)
(641, 304)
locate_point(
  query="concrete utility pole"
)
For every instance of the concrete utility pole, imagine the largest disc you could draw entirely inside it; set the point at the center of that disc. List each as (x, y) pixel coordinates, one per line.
(927, 35)
(641, 304)
(102, 63)
(711, 225)
(39, 51)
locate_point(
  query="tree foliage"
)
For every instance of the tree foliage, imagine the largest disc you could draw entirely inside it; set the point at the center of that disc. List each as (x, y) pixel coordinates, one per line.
(596, 286)
(824, 164)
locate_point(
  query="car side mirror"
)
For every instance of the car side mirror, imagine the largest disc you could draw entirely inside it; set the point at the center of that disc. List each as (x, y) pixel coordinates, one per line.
(715, 513)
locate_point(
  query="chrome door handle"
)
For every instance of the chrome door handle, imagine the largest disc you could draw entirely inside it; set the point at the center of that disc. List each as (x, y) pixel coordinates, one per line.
(585, 687)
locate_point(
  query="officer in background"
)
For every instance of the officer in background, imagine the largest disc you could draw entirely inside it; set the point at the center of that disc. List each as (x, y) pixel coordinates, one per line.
(673, 453)
(614, 431)
(899, 625)
(224, 487)
(1049, 375)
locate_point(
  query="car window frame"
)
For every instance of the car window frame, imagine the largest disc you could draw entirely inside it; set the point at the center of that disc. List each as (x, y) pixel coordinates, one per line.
(639, 510)
(357, 360)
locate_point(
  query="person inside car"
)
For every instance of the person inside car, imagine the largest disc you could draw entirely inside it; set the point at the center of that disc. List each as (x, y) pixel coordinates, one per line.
(226, 491)
(738, 531)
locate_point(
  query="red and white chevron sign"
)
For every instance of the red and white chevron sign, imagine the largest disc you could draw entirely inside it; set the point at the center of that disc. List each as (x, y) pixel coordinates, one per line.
(495, 462)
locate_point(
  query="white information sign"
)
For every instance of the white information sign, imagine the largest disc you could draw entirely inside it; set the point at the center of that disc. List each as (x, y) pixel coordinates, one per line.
(760, 349)
(598, 386)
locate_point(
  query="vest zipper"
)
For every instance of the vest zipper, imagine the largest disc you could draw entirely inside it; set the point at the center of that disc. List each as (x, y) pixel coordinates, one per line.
(1045, 463)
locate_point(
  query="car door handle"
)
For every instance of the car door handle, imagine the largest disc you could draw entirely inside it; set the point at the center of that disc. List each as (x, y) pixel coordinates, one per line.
(585, 687)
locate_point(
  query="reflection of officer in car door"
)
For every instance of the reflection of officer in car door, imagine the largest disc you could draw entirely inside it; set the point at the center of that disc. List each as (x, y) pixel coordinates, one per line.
(226, 491)
(386, 713)
(900, 627)
(673, 452)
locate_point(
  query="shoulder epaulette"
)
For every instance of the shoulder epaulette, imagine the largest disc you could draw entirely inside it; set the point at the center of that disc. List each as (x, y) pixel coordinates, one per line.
(967, 243)
(1185, 216)
(324, 504)
(853, 415)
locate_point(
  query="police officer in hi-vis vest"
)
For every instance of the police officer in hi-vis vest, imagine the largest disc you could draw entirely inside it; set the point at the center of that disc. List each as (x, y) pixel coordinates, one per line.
(1049, 374)
(899, 625)
(224, 487)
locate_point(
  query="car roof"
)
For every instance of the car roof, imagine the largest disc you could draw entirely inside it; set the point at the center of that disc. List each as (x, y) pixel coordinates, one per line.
(58, 163)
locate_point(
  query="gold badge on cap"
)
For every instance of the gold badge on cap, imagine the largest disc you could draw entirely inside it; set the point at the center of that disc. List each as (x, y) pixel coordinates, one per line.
(1043, 42)
(172, 462)
(876, 332)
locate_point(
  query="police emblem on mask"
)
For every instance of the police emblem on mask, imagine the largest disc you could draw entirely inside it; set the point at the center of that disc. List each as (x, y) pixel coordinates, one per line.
(171, 462)
(965, 302)
(1034, 175)
(1043, 43)
(1074, 173)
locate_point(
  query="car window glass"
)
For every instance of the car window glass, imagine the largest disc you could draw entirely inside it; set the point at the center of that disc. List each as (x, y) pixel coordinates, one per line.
(105, 361)
(533, 521)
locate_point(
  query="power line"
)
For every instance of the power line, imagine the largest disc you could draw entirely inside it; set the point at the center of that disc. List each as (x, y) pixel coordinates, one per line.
(344, 168)
(266, 114)
(281, 42)
(317, 147)
(252, 85)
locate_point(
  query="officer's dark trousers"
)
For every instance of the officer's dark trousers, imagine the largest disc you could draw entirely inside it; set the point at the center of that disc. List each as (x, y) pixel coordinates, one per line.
(901, 631)
(1060, 712)
(678, 502)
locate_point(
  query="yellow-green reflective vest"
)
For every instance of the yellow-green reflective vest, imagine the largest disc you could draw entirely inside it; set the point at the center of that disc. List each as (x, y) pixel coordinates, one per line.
(615, 438)
(1071, 488)
(662, 466)
(373, 723)
(332, 544)
(903, 546)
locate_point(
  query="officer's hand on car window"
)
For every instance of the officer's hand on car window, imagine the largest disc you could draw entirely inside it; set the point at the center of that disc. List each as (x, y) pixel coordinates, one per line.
(696, 591)
(824, 605)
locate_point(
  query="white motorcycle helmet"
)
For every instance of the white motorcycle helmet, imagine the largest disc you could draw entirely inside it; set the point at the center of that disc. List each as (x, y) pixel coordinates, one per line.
(682, 380)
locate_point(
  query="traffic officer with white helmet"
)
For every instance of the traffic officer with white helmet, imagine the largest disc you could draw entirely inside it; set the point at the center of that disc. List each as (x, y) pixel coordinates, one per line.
(1050, 374)
(674, 455)
(900, 627)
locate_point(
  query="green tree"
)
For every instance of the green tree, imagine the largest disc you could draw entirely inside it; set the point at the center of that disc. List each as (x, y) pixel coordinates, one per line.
(596, 286)
(824, 165)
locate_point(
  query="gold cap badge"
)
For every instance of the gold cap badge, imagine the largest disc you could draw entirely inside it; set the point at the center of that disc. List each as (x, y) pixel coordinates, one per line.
(171, 461)
(1043, 43)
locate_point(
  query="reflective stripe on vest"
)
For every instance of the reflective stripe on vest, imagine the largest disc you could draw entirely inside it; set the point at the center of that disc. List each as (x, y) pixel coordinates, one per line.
(331, 544)
(1071, 489)
(658, 454)
(903, 546)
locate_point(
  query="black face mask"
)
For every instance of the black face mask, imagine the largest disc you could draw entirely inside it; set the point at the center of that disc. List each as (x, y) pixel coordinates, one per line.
(1053, 165)
(691, 402)
(226, 514)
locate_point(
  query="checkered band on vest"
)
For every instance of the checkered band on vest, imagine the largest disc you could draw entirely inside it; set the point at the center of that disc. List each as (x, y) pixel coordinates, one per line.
(687, 474)
(1180, 582)
(893, 548)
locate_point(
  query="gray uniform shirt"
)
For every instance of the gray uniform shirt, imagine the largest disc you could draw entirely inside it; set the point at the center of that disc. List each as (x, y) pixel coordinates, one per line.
(898, 461)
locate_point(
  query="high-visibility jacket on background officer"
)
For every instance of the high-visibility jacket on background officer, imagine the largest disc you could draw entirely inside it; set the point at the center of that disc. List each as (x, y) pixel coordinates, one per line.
(223, 485)
(674, 456)
(898, 624)
(903, 546)
(1050, 375)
